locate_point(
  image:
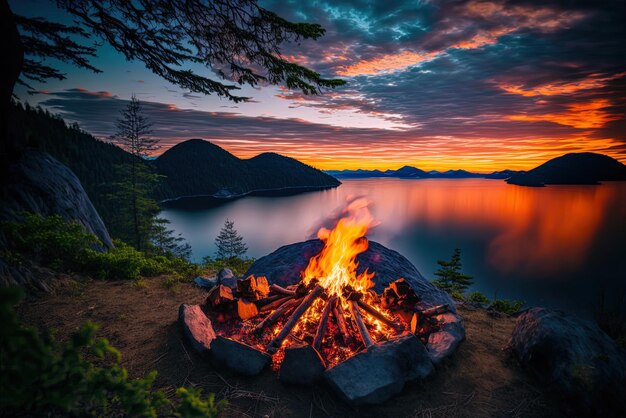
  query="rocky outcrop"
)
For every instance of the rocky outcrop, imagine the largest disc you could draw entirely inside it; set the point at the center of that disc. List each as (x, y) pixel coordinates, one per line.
(574, 357)
(40, 184)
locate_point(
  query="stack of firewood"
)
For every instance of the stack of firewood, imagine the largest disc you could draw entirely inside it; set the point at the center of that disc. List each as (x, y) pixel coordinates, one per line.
(253, 297)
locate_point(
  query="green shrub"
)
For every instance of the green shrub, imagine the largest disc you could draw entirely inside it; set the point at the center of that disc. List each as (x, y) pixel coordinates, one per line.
(238, 265)
(66, 246)
(50, 241)
(478, 297)
(457, 295)
(506, 306)
(42, 377)
(192, 406)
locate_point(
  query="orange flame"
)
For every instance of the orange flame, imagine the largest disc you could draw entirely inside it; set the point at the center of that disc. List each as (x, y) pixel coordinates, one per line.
(335, 266)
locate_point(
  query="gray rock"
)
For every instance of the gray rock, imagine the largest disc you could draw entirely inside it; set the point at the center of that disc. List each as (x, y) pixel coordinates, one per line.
(284, 266)
(205, 283)
(226, 277)
(444, 342)
(40, 184)
(224, 352)
(302, 365)
(575, 357)
(375, 375)
(197, 327)
(238, 357)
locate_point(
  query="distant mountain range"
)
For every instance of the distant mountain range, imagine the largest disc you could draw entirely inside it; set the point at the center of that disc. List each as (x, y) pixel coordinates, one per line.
(409, 172)
(198, 168)
(574, 168)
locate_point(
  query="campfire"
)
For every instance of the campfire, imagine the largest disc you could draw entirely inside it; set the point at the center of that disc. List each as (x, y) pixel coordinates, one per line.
(331, 315)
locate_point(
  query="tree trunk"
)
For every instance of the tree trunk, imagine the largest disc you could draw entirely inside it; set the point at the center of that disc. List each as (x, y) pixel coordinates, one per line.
(135, 209)
(12, 53)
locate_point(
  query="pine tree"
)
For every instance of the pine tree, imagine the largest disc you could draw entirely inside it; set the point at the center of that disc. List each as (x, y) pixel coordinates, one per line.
(165, 241)
(449, 274)
(137, 209)
(229, 243)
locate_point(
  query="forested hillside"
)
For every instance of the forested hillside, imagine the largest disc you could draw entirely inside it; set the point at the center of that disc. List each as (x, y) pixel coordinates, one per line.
(93, 161)
(198, 167)
(194, 167)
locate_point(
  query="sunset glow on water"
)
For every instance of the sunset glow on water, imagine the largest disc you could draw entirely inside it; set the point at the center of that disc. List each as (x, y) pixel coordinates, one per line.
(556, 244)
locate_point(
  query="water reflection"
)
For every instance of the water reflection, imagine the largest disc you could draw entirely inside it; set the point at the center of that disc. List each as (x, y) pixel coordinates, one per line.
(514, 239)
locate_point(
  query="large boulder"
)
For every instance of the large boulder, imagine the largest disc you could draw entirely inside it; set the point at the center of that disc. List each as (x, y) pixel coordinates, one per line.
(302, 365)
(574, 357)
(197, 328)
(285, 265)
(381, 371)
(40, 184)
(238, 357)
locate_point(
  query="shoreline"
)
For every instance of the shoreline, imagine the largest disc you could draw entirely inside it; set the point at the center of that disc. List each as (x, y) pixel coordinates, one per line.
(216, 198)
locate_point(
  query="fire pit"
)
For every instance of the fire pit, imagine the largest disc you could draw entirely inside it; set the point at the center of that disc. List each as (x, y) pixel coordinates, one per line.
(315, 310)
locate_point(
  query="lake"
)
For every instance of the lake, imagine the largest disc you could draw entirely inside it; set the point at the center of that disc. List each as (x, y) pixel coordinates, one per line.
(558, 246)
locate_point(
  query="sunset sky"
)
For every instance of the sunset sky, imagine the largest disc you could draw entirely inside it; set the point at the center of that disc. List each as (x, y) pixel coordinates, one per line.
(441, 85)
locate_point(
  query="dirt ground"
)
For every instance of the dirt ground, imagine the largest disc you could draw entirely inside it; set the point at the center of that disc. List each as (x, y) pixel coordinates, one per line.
(480, 380)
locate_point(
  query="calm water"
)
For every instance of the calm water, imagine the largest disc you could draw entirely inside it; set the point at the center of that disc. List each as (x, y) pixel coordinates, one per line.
(556, 246)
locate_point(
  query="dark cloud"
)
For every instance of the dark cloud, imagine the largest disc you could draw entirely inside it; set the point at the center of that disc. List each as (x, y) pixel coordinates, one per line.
(464, 78)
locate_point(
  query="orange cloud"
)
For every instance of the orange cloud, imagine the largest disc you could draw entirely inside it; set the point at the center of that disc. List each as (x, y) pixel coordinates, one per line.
(594, 81)
(481, 39)
(588, 115)
(386, 63)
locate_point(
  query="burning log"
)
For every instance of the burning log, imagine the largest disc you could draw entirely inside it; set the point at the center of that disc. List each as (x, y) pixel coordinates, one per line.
(220, 296)
(404, 291)
(381, 317)
(356, 314)
(275, 344)
(340, 319)
(266, 301)
(275, 303)
(422, 321)
(435, 310)
(321, 328)
(279, 289)
(273, 317)
(389, 298)
(246, 310)
(253, 287)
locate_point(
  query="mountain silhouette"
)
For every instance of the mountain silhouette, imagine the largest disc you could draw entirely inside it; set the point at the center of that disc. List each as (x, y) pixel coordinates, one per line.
(200, 168)
(573, 168)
